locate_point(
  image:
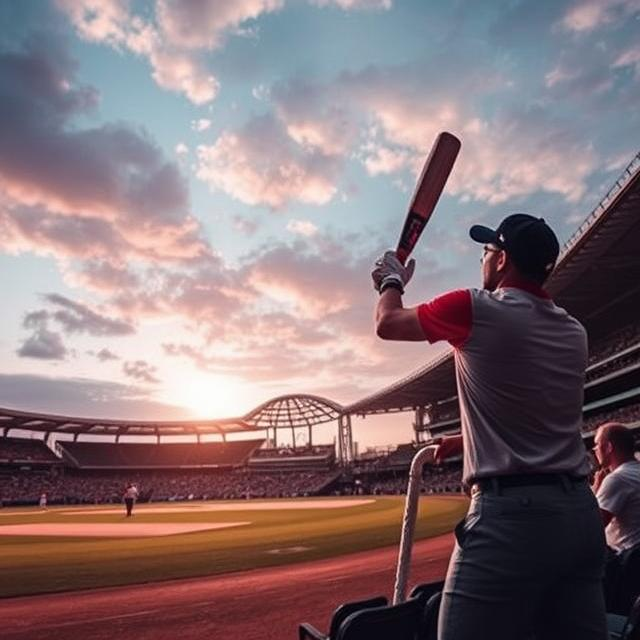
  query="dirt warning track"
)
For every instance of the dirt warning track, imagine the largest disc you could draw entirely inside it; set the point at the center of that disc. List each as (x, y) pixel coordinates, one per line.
(265, 604)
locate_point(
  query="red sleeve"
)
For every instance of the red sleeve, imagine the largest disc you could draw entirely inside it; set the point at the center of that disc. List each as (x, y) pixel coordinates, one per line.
(447, 317)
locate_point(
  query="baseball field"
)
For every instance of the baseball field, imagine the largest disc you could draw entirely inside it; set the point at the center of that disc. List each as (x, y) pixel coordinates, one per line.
(68, 548)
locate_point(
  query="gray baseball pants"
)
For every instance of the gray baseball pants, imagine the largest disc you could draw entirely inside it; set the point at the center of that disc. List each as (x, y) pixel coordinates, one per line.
(528, 563)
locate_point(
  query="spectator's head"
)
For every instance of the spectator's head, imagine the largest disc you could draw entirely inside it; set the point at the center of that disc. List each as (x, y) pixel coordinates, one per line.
(522, 246)
(613, 444)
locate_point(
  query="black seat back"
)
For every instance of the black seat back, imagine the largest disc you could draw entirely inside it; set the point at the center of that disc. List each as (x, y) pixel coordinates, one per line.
(346, 609)
(632, 627)
(430, 615)
(425, 590)
(396, 622)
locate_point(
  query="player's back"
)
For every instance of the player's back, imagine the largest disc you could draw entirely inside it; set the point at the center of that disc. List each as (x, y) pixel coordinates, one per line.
(520, 380)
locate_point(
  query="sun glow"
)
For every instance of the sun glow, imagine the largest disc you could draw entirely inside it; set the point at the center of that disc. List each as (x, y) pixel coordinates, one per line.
(209, 396)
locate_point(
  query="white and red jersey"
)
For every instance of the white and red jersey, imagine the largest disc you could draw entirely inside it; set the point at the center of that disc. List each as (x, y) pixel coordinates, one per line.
(520, 363)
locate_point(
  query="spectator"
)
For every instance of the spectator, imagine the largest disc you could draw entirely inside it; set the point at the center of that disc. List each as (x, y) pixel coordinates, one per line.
(617, 485)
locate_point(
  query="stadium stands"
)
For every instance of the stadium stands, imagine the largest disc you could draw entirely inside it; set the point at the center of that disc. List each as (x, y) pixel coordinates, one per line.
(106, 455)
(25, 451)
(318, 457)
(87, 487)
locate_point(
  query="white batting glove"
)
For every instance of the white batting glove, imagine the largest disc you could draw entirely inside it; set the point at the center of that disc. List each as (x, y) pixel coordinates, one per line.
(390, 272)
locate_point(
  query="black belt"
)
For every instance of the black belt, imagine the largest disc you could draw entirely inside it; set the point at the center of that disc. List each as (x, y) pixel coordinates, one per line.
(525, 480)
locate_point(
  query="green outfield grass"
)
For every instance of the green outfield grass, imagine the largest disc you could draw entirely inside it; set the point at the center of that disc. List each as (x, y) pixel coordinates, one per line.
(38, 564)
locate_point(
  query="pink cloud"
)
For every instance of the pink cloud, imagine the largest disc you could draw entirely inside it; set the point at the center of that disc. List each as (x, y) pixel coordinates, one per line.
(355, 4)
(587, 15)
(83, 192)
(381, 104)
(260, 164)
(204, 24)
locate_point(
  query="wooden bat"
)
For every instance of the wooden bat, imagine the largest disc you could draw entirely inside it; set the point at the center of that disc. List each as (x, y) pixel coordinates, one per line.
(430, 185)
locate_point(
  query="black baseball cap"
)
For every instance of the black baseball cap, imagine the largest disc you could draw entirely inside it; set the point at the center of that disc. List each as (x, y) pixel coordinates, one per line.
(529, 241)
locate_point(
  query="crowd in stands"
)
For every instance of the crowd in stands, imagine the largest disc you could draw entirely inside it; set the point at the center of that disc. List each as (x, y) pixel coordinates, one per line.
(627, 415)
(288, 451)
(614, 363)
(615, 343)
(438, 479)
(182, 454)
(83, 487)
(22, 450)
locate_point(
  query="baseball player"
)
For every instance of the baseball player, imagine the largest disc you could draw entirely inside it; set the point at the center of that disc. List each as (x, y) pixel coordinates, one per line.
(130, 497)
(530, 551)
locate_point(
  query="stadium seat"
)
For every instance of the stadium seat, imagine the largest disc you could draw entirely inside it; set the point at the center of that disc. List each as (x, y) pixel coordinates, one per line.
(425, 590)
(307, 630)
(398, 622)
(625, 628)
(430, 595)
(624, 591)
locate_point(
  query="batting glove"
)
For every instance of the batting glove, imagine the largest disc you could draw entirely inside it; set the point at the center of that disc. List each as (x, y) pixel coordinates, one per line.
(390, 272)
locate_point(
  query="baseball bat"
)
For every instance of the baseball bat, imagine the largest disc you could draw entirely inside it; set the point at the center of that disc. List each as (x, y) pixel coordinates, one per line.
(434, 176)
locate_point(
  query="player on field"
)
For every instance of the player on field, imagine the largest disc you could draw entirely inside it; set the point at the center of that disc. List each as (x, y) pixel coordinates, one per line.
(530, 551)
(130, 497)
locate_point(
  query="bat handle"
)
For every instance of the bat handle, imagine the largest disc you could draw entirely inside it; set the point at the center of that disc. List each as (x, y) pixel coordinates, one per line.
(402, 254)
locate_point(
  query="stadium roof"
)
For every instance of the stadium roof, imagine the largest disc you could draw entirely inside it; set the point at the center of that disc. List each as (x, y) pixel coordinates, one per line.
(43, 422)
(284, 411)
(293, 411)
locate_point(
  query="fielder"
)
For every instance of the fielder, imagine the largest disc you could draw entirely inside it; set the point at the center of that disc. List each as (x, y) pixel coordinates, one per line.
(130, 497)
(530, 551)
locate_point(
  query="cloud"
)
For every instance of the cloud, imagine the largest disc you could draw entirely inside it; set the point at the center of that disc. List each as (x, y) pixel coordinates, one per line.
(200, 125)
(104, 354)
(181, 149)
(244, 224)
(302, 227)
(389, 135)
(78, 318)
(43, 345)
(104, 276)
(174, 43)
(629, 58)
(381, 160)
(72, 318)
(588, 15)
(104, 191)
(140, 370)
(84, 397)
(185, 73)
(203, 25)
(261, 164)
(355, 4)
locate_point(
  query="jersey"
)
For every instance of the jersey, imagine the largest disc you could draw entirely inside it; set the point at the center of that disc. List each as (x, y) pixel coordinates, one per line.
(619, 494)
(520, 364)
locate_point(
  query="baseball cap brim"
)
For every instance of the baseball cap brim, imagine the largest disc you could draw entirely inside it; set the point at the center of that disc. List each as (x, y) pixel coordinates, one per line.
(483, 234)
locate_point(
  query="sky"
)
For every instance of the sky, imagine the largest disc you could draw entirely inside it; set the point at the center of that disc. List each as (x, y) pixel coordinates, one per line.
(192, 193)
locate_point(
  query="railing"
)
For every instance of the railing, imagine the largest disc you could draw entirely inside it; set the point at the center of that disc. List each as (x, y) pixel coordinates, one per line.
(601, 207)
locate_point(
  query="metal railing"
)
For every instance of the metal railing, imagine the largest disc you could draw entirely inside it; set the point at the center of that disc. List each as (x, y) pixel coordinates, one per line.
(601, 207)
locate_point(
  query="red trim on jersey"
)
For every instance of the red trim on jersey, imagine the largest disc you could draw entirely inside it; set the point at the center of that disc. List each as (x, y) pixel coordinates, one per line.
(525, 285)
(447, 317)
